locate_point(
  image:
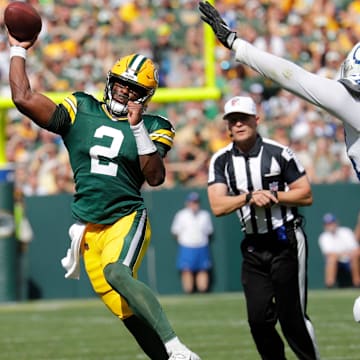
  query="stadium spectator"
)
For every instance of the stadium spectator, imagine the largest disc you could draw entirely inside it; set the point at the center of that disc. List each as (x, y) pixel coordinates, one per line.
(192, 228)
(341, 251)
(324, 162)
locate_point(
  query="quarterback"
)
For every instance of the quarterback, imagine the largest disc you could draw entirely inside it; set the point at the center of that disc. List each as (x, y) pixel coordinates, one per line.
(114, 147)
(338, 98)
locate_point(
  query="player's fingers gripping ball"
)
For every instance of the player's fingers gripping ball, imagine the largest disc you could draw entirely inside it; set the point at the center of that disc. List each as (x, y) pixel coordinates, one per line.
(356, 310)
(22, 21)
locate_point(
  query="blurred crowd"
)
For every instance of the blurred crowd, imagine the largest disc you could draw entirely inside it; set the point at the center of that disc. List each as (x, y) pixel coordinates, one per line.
(80, 41)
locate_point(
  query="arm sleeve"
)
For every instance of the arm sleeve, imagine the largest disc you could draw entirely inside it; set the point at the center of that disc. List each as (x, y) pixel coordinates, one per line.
(216, 172)
(60, 121)
(293, 169)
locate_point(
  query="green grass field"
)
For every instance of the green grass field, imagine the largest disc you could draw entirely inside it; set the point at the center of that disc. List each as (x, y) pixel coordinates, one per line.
(213, 325)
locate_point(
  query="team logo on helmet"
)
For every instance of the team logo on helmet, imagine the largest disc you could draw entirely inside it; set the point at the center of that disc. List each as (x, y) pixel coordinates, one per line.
(356, 55)
(350, 71)
(351, 65)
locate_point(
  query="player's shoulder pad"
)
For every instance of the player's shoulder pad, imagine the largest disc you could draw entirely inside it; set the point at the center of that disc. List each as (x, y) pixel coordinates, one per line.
(79, 101)
(153, 120)
(78, 97)
(83, 96)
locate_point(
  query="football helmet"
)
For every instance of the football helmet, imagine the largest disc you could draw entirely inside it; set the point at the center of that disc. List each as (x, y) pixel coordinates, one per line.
(136, 71)
(350, 69)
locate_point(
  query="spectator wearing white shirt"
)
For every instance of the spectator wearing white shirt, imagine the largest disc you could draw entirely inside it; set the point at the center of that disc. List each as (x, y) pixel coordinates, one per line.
(340, 249)
(192, 228)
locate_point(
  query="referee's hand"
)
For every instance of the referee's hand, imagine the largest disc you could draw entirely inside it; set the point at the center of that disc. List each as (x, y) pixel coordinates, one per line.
(263, 198)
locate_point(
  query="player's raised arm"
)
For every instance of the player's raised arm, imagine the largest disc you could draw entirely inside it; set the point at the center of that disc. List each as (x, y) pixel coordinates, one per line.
(36, 106)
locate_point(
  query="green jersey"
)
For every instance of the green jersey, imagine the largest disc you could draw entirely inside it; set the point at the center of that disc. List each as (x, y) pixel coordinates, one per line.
(104, 159)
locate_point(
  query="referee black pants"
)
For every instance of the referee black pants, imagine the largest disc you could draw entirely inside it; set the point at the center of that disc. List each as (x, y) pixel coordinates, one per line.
(274, 278)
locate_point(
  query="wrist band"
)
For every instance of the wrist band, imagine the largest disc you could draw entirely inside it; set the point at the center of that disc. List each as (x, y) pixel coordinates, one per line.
(17, 51)
(248, 197)
(274, 193)
(144, 144)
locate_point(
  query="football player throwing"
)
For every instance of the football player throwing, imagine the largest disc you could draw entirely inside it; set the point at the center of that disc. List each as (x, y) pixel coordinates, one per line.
(114, 147)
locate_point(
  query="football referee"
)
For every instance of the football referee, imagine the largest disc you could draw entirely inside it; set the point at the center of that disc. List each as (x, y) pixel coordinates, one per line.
(265, 184)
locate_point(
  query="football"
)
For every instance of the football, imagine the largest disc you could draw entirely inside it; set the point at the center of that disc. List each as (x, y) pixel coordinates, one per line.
(22, 21)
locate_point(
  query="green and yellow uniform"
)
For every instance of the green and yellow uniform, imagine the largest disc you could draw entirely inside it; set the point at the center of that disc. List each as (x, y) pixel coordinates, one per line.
(108, 180)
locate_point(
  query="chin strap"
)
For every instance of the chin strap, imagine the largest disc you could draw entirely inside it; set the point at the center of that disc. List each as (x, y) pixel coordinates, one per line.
(117, 109)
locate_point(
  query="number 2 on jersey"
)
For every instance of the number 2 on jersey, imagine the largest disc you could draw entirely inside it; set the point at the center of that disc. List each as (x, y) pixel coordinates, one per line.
(110, 152)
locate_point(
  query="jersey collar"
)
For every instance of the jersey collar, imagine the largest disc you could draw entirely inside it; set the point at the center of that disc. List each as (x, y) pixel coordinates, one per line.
(254, 151)
(113, 118)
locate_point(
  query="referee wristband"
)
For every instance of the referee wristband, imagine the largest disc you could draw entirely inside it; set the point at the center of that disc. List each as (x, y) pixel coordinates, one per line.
(144, 144)
(17, 51)
(274, 193)
(248, 197)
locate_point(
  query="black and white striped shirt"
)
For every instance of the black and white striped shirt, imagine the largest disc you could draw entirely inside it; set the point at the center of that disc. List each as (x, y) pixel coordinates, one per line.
(268, 166)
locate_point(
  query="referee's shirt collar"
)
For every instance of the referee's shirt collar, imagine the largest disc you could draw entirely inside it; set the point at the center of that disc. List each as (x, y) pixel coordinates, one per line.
(254, 151)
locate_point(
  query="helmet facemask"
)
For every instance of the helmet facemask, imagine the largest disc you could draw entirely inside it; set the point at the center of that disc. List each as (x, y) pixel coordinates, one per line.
(136, 72)
(114, 107)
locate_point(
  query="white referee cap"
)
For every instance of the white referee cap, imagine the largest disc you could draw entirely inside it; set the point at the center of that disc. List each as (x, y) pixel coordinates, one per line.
(240, 104)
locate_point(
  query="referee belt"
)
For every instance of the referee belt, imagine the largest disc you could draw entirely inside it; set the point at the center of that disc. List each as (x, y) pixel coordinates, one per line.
(288, 226)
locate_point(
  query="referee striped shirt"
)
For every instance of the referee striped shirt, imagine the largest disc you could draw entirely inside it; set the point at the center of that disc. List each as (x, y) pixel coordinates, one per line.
(268, 166)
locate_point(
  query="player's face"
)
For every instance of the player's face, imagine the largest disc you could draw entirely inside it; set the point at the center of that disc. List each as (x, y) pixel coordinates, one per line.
(123, 92)
(242, 126)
